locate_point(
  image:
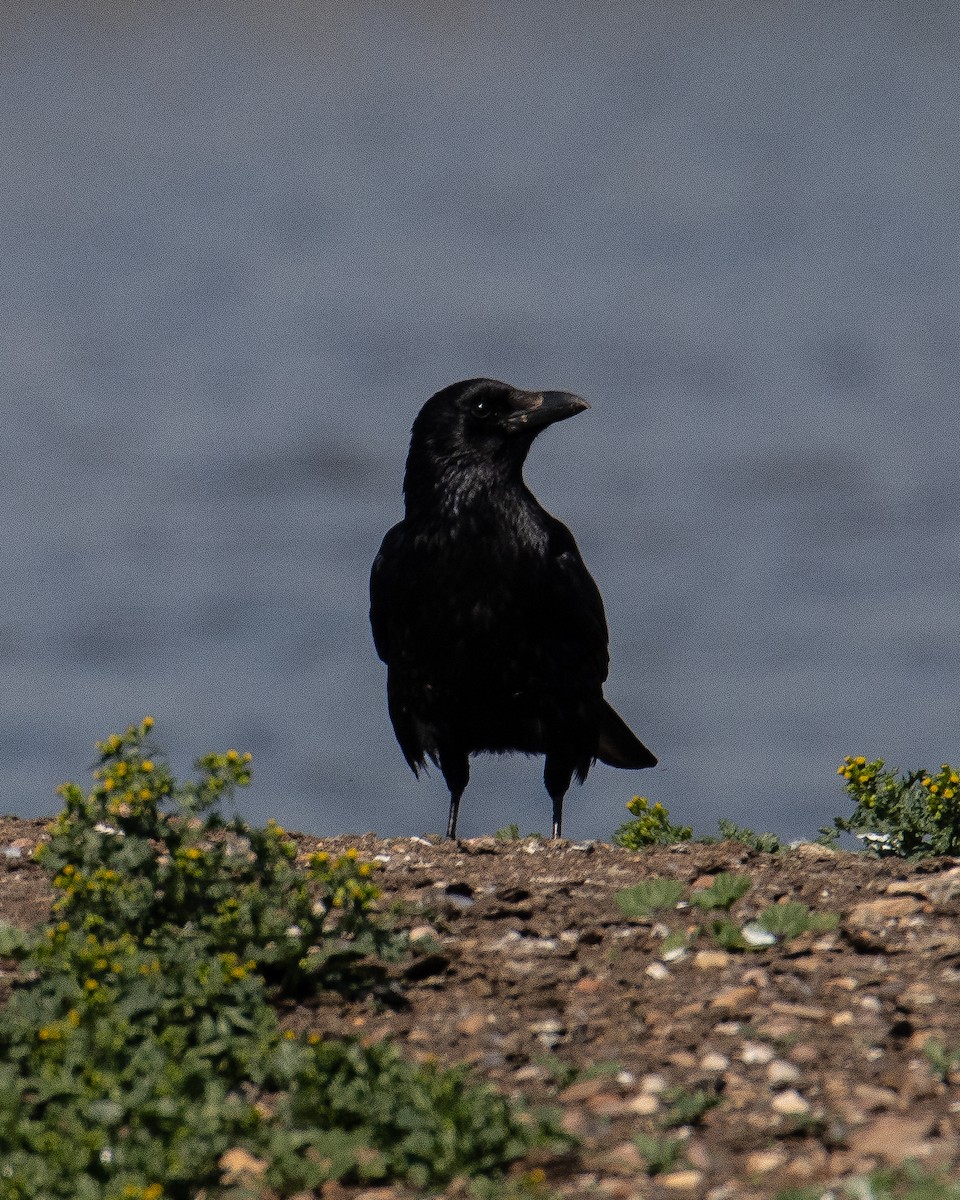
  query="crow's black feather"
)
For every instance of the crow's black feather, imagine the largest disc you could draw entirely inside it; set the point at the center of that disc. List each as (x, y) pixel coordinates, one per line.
(492, 628)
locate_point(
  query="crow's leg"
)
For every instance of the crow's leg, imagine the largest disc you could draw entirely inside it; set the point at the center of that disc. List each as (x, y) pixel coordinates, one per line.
(557, 774)
(455, 767)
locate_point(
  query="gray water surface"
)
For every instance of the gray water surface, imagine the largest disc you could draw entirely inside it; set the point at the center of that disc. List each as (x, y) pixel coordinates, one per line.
(241, 246)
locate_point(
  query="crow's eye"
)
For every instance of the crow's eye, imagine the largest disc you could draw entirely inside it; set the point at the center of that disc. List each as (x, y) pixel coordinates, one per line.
(481, 408)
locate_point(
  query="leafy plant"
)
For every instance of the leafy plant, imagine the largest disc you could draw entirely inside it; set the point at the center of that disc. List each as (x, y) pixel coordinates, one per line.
(943, 1061)
(791, 919)
(139, 1049)
(509, 833)
(643, 899)
(912, 814)
(728, 935)
(726, 889)
(662, 1154)
(650, 827)
(688, 1107)
(563, 1074)
(730, 831)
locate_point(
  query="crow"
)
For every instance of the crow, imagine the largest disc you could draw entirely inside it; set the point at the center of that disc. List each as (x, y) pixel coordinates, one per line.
(491, 626)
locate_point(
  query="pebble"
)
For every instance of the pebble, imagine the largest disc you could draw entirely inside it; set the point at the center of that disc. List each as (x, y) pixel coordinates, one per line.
(12, 852)
(710, 960)
(892, 1138)
(735, 999)
(871, 913)
(780, 1073)
(727, 1028)
(756, 1052)
(756, 935)
(790, 1104)
(653, 1085)
(761, 1162)
(656, 970)
(420, 933)
(548, 1033)
(681, 1181)
(643, 1105)
(714, 1062)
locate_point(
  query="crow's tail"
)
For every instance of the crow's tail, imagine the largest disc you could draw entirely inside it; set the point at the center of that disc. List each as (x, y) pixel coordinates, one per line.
(618, 745)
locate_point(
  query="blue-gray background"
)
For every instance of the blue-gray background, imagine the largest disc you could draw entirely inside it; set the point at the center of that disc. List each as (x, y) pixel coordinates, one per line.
(242, 243)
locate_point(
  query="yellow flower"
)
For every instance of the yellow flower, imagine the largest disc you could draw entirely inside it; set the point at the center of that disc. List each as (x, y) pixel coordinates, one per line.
(152, 1191)
(352, 852)
(860, 761)
(948, 793)
(146, 765)
(232, 756)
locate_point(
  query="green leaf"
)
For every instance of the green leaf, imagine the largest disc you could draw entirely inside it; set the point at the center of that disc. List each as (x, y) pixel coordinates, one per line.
(726, 889)
(648, 896)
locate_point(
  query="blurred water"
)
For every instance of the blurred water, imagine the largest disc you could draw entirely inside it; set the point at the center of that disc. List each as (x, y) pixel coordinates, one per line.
(241, 247)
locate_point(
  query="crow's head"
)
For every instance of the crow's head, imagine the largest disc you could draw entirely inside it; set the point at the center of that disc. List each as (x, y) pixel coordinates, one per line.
(480, 429)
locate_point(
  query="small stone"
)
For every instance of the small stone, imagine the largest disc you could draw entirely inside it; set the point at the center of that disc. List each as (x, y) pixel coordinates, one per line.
(790, 1104)
(582, 1089)
(892, 1138)
(761, 1162)
(624, 1159)
(939, 888)
(871, 913)
(479, 845)
(588, 984)
(735, 999)
(711, 960)
(12, 852)
(840, 1019)
(653, 1085)
(643, 1105)
(548, 1032)
(756, 935)
(657, 970)
(681, 1181)
(727, 1028)
(420, 933)
(472, 1024)
(876, 1099)
(780, 1073)
(714, 1062)
(756, 1052)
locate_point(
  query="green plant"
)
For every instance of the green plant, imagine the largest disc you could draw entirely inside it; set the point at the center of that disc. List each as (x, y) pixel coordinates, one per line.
(650, 827)
(730, 831)
(907, 1182)
(140, 1047)
(912, 814)
(662, 1154)
(688, 1107)
(943, 1061)
(562, 1074)
(791, 919)
(726, 889)
(509, 833)
(643, 899)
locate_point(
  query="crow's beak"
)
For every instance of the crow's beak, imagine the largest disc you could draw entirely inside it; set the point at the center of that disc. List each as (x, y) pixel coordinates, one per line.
(535, 410)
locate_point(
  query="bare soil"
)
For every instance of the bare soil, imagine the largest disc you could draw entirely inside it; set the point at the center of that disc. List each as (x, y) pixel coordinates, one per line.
(810, 1054)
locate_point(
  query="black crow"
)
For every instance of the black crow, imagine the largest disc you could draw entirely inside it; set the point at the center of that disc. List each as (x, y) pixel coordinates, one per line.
(492, 628)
